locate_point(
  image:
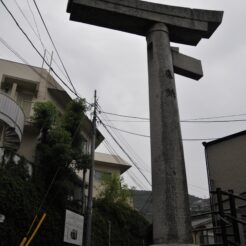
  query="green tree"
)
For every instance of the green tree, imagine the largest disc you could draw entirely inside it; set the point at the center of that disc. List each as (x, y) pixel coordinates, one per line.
(18, 199)
(114, 190)
(60, 144)
(45, 116)
(128, 226)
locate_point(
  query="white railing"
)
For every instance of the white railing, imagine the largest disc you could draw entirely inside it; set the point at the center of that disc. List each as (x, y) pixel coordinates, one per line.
(12, 114)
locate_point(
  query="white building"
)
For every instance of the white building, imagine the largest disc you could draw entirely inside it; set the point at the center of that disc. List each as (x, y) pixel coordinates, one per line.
(20, 87)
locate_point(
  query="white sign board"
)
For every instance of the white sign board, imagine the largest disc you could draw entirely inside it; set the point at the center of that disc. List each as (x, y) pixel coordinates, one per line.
(74, 225)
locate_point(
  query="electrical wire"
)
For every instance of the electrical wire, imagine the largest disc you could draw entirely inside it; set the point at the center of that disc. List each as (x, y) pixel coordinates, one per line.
(125, 152)
(43, 58)
(135, 158)
(35, 48)
(53, 180)
(195, 120)
(29, 23)
(112, 151)
(25, 62)
(136, 134)
(37, 33)
(147, 136)
(35, 22)
(128, 172)
(46, 28)
(125, 116)
(138, 158)
(128, 147)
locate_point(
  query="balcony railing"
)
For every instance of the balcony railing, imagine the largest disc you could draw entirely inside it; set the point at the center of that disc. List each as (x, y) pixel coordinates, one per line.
(13, 117)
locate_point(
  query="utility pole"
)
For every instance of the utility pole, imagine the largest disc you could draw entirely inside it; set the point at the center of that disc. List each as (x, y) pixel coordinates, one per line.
(90, 191)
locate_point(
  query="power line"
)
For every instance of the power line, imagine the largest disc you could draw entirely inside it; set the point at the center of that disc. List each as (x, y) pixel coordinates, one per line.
(125, 152)
(29, 40)
(217, 117)
(34, 19)
(147, 136)
(131, 175)
(136, 121)
(25, 62)
(135, 179)
(112, 151)
(37, 33)
(195, 120)
(212, 121)
(129, 148)
(125, 116)
(31, 67)
(130, 172)
(46, 28)
(28, 22)
(136, 134)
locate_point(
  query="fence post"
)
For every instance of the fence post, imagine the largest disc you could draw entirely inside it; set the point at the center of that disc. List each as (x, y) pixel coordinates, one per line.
(233, 211)
(222, 216)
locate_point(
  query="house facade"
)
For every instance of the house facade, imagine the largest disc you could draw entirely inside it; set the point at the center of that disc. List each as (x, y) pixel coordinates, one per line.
(20, 87)
(226, 168)
(226, 163)
(107, 165)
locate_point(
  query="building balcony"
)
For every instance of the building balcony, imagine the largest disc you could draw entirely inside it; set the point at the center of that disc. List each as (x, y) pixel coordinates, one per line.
(12, 121)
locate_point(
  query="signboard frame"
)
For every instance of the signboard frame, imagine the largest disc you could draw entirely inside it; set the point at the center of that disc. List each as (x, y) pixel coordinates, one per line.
(73, 228)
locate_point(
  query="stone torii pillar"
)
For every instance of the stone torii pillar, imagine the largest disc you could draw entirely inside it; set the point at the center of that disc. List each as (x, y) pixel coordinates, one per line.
(160, 24)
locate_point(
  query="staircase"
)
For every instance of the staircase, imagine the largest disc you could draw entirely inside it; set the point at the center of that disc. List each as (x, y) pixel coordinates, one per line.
(11, 121)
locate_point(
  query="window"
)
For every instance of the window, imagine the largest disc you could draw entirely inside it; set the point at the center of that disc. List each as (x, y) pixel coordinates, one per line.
(99, 175)
(25, 101)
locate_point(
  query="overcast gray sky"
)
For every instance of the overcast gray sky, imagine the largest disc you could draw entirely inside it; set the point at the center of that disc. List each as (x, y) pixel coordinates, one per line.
(115, 64)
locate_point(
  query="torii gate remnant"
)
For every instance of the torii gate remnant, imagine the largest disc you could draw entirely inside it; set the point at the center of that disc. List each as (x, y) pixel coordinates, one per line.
(160, 24)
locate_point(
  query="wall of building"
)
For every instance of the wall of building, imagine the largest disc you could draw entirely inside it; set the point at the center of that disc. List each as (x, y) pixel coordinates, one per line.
(227, 164)
(28, 144)
(18, 70)
(36, 90)
(102, 170)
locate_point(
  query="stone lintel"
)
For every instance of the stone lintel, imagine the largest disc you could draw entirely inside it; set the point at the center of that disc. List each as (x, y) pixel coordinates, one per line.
(186, 26)
(186, 66)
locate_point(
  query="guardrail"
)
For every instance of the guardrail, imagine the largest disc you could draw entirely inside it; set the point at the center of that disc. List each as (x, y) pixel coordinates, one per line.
(227, 224)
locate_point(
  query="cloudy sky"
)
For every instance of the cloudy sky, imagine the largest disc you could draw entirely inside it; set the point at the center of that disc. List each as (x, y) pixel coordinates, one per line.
(115, 64)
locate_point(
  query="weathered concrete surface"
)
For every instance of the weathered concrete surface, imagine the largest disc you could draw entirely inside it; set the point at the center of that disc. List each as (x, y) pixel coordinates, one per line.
(171, 217)
(160, 24)
(187, 26)
(186, 66)
(174, 244)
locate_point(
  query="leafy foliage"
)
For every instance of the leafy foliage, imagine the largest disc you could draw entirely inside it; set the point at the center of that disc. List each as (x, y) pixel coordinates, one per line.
(20, 196)
(45, 116)
(114, 190)
(128, 227)
(113, 208)
(18, 200)
(60, 145)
